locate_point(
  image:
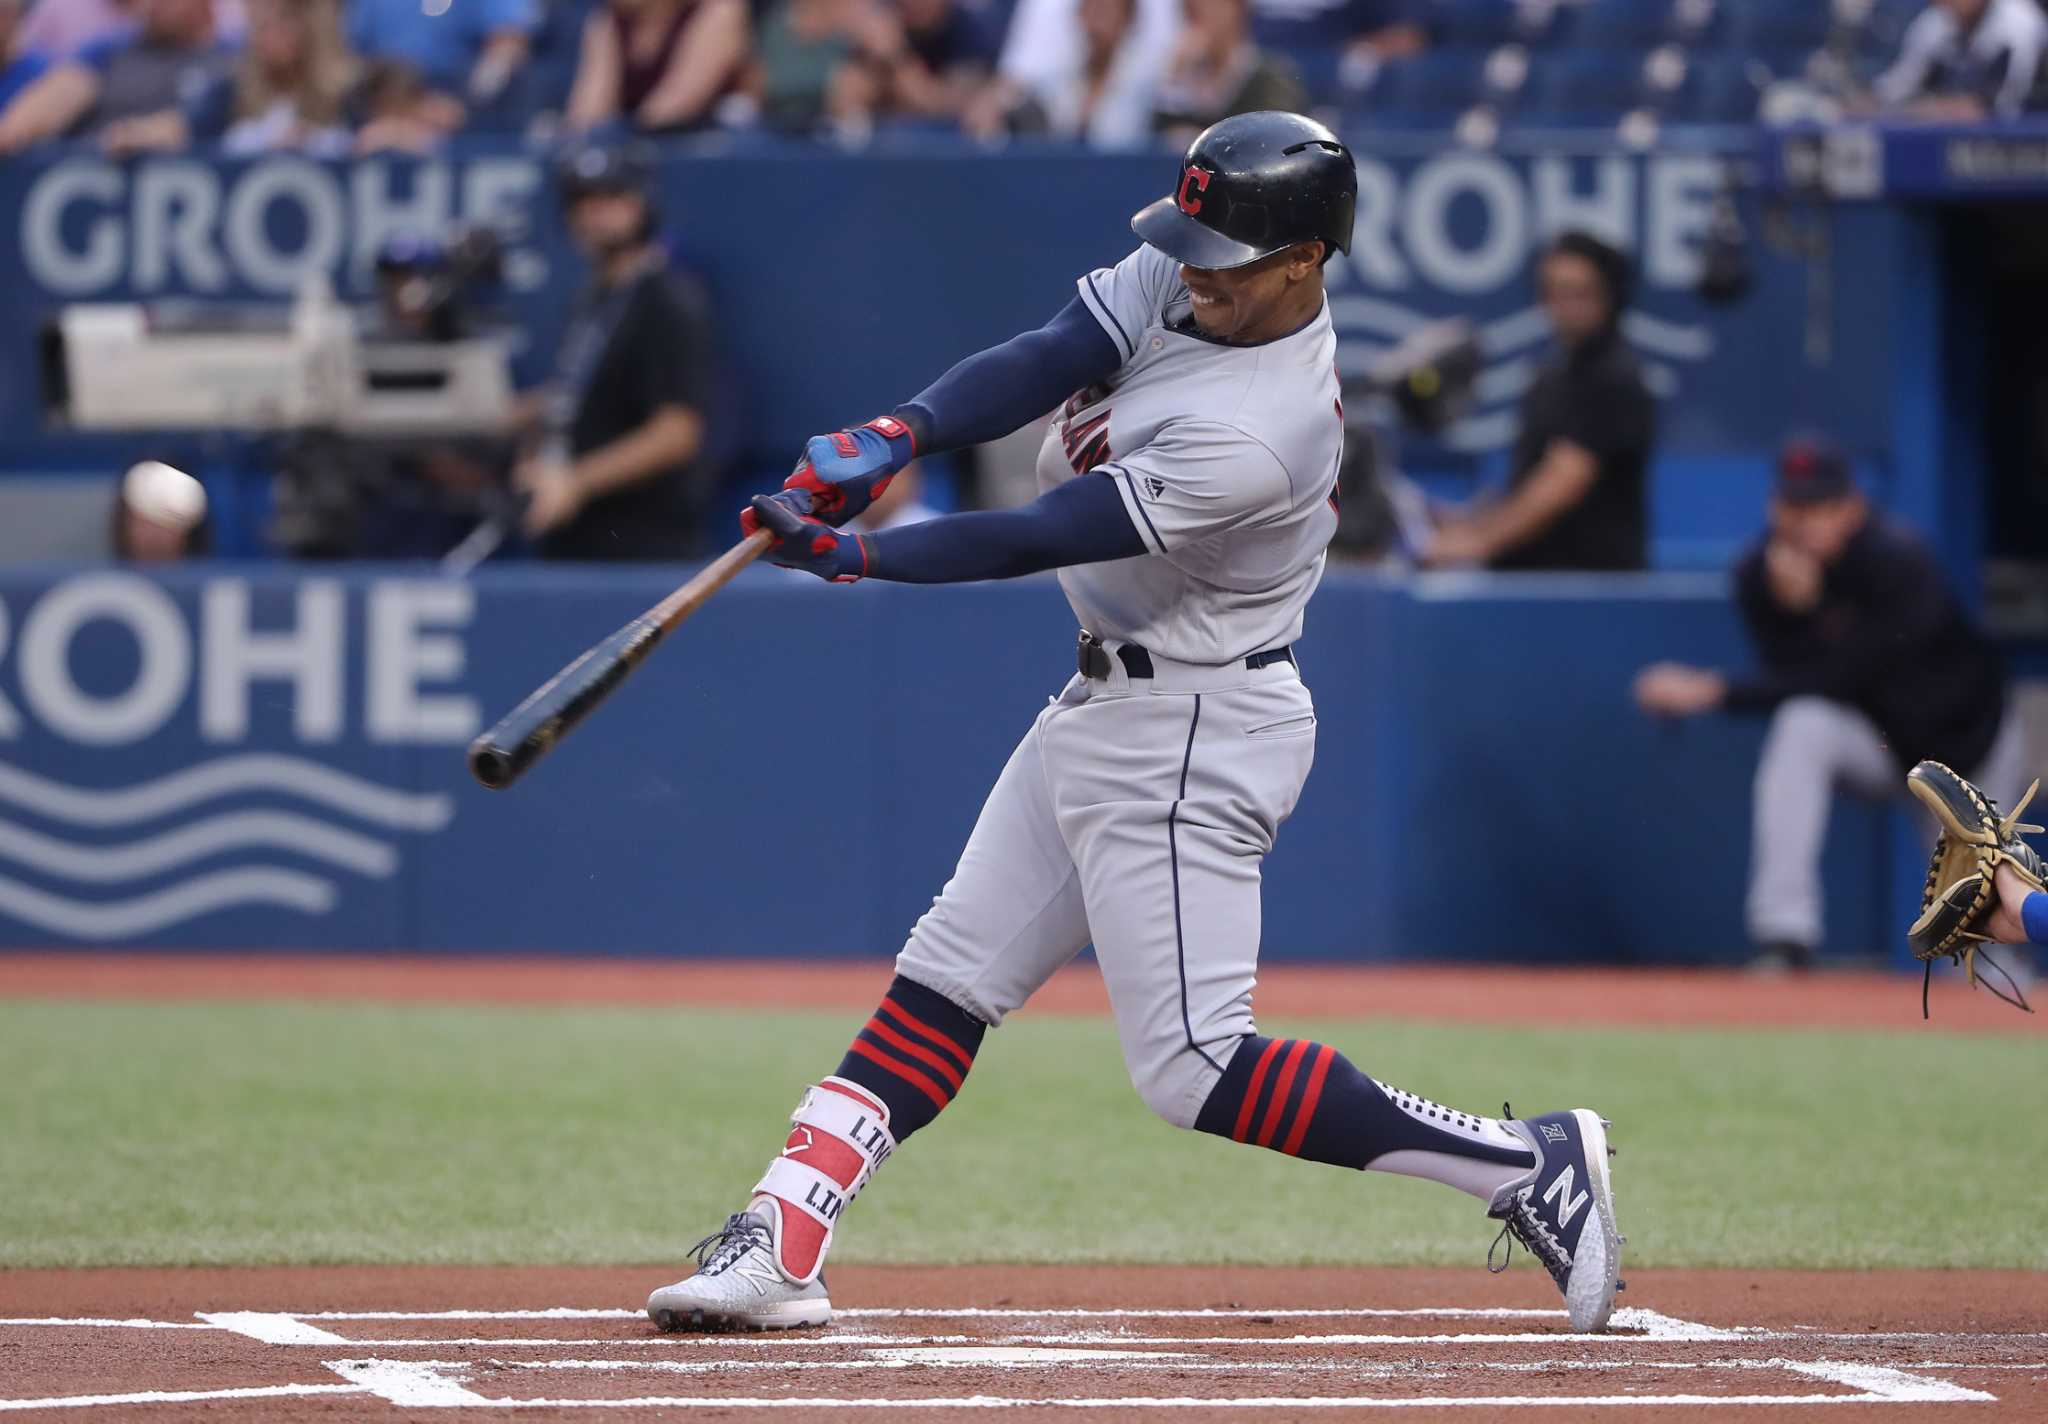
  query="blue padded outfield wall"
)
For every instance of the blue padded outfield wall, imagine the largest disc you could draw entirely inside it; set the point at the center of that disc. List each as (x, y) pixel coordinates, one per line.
(264, 758)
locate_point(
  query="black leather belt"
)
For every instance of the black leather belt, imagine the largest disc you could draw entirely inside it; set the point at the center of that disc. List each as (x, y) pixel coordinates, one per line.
(1093, 658)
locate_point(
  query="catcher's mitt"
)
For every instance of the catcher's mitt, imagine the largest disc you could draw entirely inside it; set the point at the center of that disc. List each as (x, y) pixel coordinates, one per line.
(1960, 895)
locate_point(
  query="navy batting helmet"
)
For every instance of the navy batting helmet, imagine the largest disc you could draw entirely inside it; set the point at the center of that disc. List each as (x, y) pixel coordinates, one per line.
(1250, 186)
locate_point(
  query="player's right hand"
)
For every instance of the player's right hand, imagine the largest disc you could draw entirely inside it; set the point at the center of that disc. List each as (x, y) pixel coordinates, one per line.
(846, 471)
(804, 542)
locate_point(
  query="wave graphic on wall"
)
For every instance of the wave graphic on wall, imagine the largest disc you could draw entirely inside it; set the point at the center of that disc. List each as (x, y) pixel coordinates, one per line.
(1368, 327)
(71, 886)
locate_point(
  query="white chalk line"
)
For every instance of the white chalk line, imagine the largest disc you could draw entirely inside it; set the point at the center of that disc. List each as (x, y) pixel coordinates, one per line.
(421, 1385)
(1084, 1337)
(968, 1313)
(883, 1361)
(271, 1328)
(178, 1396)
(1119, 1361)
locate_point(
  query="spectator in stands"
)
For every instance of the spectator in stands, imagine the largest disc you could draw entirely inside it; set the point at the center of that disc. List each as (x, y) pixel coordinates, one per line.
(57, 29)
(1575, 497)
(169, 58)
(1365, 33)
(1869, 663)
(616, 472)
(400, 113)
(289, 90)
(1097, 86)
(471, 51)
(158, 516)
(1218, 71)
(1966, 60)
(658, 64)
(17, 70)
(945, 55)
(811, 60)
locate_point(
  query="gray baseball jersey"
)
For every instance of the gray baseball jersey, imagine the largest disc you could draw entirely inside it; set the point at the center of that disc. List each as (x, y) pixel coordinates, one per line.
(1136, 812)
(1226, 457)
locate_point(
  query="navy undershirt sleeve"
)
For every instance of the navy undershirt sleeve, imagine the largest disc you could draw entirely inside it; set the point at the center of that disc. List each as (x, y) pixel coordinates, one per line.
(996, 391)
(1082, 521)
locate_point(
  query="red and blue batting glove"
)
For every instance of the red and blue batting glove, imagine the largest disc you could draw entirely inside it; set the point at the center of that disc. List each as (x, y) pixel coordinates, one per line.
(846, 471)
(804, 542)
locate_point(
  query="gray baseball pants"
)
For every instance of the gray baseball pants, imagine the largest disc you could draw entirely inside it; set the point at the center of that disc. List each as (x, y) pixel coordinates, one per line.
(1814, 748)
(1135, 815)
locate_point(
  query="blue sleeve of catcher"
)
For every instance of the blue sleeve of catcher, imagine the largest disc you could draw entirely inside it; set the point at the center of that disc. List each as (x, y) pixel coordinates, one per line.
(1003, 388)
(2034, 916)
(1080, 522)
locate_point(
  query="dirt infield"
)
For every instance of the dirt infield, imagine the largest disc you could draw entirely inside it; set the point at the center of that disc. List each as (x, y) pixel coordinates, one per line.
(1033, 1342)
(1444, 994)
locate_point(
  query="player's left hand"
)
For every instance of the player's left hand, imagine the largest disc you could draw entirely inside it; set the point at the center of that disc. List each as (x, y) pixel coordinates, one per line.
(805, 542)
(845, 472)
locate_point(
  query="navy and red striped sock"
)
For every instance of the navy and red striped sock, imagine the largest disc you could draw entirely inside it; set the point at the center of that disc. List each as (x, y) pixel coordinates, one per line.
(1307, 1100)
(913, 1054)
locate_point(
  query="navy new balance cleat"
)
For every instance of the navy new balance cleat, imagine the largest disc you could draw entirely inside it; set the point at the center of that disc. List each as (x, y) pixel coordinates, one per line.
(1562, 1210)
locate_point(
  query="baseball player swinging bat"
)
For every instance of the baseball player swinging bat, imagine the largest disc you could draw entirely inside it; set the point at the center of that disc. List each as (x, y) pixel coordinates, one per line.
(526, 734)
(1186, 497)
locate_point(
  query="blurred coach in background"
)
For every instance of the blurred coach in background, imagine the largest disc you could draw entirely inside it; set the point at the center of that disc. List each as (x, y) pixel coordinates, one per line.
(1575, 497)
(619, 463)
(1869, 663)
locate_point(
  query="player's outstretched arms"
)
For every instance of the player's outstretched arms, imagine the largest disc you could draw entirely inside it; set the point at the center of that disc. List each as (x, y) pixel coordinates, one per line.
(983, 398)
(1080, 522)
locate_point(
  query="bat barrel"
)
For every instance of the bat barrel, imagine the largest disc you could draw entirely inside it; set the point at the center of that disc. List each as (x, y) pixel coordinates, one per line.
(529, 731)
(525, 734)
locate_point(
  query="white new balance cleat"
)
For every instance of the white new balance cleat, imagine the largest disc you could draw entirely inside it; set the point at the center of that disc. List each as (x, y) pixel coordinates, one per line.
(738, 1285)
(1562, 1210)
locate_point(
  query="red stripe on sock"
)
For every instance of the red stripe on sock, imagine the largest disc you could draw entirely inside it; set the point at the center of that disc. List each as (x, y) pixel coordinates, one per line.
(904, 1071)
(1280, 1091)
(1318, 1071)
(916, 1025)
(862, 1098)
(1251, 1093)
(918, 1051)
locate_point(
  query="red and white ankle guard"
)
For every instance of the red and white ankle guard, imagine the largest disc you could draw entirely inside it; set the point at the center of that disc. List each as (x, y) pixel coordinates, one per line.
(838, 1137)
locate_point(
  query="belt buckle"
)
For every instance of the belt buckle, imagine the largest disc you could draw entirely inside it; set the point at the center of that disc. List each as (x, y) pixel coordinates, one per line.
(1091, 657)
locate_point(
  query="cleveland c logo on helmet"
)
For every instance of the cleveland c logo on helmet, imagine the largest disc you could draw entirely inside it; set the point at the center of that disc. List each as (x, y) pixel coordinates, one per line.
(1251, 185)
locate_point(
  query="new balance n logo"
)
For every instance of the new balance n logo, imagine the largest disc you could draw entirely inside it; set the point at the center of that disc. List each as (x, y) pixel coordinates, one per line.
(1567, 1205)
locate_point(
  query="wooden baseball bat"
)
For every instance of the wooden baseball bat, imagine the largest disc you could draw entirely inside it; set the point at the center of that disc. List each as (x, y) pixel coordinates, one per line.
(529, 731)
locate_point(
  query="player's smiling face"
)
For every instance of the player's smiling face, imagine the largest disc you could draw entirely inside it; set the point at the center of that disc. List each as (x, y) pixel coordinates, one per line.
(1267, 299)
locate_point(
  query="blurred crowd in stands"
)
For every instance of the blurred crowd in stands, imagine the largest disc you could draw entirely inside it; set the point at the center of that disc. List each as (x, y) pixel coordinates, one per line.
(338, 76)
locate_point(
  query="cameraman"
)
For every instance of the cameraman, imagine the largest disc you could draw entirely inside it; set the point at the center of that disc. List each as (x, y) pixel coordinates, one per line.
(616, 471)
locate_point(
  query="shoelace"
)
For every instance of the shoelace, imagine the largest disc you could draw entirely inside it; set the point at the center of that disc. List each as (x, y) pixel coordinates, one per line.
(741, 1233)
(1524, 1226)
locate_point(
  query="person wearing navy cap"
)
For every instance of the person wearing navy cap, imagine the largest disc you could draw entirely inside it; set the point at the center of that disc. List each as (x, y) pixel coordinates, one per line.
(1867, 662)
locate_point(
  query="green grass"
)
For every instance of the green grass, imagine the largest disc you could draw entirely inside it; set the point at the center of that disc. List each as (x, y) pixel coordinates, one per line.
(257, 1133)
